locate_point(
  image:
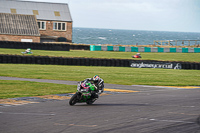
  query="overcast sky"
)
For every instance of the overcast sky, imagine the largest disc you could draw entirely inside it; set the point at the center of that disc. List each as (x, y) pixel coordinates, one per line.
(159, 15)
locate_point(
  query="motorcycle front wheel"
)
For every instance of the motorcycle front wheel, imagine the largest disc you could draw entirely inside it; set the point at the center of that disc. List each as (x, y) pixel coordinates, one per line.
(73, 99)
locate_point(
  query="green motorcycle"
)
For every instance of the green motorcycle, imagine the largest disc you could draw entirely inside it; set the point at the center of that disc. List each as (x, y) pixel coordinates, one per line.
(85, 93)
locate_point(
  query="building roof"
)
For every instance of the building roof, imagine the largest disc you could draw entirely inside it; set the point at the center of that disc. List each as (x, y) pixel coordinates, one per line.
(17, 24)
(42, 10)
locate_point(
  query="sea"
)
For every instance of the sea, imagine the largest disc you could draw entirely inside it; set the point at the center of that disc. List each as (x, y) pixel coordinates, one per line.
(129, 37)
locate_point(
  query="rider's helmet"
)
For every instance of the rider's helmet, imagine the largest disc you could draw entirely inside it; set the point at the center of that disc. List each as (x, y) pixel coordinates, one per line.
(96, 79)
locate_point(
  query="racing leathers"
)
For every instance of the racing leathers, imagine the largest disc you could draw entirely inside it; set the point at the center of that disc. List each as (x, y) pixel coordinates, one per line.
(99, 85)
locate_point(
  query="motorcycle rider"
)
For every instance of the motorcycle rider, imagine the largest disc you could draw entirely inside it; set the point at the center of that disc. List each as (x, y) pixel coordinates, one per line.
(99, 84)
(137, 56)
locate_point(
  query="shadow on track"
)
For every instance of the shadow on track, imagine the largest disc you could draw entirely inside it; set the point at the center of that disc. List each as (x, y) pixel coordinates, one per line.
(112, 104)
(198, 121)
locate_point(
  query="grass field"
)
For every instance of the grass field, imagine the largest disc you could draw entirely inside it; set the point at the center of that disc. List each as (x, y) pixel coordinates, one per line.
(113, 75)
(12, 89)
(191, 57)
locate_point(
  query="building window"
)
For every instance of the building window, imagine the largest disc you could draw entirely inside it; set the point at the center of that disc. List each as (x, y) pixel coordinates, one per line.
(59, 26)
(42, 25)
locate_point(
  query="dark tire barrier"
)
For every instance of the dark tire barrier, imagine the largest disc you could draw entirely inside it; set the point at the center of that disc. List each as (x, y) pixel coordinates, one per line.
(34, 46)
(46, 60)
(79, 47)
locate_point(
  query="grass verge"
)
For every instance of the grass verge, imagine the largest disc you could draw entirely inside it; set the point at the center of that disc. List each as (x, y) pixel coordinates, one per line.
(13, 89)
(190, 57)
(112, 75)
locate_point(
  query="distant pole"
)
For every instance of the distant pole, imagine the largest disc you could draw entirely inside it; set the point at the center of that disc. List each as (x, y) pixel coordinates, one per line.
(182, 42)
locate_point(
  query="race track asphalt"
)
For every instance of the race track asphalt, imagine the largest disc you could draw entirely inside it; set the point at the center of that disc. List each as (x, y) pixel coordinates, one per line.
(147, 109)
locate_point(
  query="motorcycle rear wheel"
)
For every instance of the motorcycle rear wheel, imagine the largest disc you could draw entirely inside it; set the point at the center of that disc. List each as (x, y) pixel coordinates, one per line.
(73, 99)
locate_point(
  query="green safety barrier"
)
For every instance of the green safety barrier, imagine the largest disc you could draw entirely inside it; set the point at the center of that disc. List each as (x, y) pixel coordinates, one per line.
(173, 50)
(197, 50)
(143, 49)
(122, 49)
(109, 48)
(160, 49)
(147, 49)
(95, 48)
(184, 50)
(92, 48)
